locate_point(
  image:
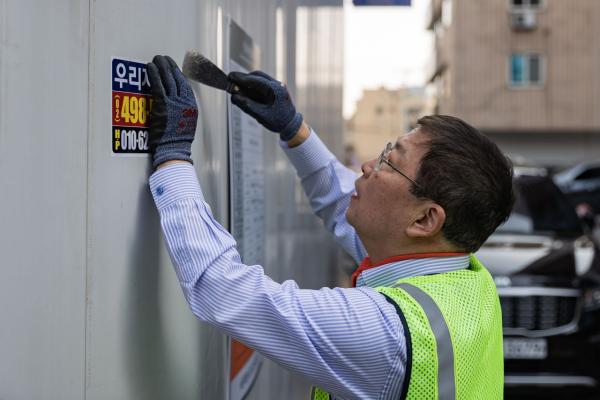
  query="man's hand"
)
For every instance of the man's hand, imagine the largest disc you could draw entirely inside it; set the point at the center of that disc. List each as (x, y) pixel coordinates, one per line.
(268, 101)
(174, 112)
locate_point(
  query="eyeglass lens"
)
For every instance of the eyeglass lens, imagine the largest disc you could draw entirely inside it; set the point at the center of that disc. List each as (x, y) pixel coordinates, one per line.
(383, 156)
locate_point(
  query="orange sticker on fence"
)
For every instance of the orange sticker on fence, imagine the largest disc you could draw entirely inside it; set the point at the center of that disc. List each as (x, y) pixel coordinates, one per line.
(240, 354)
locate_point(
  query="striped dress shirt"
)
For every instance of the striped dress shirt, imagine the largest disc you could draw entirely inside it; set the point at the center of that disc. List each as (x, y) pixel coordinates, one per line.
(348, 341)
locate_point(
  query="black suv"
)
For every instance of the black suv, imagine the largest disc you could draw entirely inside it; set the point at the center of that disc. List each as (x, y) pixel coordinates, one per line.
(582, 184)
(547, 270)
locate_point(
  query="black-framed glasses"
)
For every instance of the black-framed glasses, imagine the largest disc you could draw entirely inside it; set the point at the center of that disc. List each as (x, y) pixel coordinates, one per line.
(384, 158)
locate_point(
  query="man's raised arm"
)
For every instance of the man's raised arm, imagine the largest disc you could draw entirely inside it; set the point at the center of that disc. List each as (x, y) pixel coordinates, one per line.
(328, 184)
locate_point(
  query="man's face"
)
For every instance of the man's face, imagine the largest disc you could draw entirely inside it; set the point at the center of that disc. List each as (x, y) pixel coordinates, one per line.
(383, 205)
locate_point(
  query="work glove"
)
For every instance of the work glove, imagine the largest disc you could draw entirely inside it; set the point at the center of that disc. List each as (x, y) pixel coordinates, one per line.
(174, 112)
(268, 101)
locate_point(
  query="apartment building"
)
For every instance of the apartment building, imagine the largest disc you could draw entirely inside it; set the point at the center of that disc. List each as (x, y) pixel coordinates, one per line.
(381, 116)
(523, 71)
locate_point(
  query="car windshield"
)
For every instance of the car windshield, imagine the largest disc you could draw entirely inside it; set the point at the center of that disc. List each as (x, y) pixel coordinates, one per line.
(541, 207)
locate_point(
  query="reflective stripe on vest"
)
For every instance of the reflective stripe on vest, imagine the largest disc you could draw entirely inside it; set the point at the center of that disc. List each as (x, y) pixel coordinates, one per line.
(445, 352)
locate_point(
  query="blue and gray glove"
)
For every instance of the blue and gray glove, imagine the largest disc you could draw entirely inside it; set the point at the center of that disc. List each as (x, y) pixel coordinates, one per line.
(174, 112)
(268, 101)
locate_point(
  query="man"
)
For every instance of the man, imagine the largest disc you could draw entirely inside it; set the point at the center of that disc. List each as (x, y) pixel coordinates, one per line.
(423, 321)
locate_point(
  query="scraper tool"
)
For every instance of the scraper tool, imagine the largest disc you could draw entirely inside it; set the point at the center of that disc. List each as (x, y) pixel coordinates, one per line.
(200, 69)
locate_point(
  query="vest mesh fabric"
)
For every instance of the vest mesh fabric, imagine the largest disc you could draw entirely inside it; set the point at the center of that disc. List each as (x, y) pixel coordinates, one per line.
(470, 305)
(319, 394)
(469, 302)
(423, 376)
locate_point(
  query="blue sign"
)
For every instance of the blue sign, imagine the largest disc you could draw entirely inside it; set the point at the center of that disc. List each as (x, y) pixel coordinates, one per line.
(381, 2)
(130, 76)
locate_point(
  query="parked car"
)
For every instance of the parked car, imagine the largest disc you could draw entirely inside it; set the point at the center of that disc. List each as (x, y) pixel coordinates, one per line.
(547, 271)
(582, 184)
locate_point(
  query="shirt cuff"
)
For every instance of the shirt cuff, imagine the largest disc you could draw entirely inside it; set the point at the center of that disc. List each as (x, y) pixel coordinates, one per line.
(310, 156)
(173, 183)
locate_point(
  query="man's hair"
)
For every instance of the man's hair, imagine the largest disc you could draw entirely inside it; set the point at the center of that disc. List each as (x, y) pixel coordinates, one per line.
(467, 174)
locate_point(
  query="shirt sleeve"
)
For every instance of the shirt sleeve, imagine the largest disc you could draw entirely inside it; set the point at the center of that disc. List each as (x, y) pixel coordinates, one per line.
(329, 186)
(347, 341)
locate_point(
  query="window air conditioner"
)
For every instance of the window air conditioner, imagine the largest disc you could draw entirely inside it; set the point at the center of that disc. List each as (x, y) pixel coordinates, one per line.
(523, 20)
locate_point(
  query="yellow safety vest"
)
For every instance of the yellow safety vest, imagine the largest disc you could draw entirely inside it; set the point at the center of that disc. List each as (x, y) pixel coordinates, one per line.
(453, 328)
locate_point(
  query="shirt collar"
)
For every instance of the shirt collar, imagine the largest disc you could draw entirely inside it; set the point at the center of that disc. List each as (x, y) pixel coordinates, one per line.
(390, 270)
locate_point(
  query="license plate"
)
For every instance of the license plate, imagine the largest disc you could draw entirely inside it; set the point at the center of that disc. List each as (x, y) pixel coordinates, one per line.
(532, 349)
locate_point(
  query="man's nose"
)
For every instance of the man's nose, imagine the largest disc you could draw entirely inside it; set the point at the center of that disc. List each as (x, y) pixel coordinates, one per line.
(368, 167)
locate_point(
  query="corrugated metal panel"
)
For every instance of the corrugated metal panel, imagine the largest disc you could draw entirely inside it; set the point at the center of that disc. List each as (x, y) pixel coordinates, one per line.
(43, 179)
(92, 308)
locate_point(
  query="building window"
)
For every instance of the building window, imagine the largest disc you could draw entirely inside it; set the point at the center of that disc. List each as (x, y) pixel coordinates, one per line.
(525, 3)
(592, 173)
(526, 69)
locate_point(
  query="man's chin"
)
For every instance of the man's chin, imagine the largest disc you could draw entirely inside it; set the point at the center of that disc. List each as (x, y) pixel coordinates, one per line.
(350, 215)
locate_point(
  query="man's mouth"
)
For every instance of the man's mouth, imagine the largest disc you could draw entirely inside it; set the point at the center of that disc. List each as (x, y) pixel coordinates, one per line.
(355, 194)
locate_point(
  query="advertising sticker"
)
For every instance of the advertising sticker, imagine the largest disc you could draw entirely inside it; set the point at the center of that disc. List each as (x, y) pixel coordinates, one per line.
(131, 105)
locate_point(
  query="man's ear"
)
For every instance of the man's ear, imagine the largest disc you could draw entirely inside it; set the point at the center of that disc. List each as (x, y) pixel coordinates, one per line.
(428, 222)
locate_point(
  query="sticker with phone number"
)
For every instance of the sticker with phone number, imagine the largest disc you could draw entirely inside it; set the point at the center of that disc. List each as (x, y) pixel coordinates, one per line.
(131, 107)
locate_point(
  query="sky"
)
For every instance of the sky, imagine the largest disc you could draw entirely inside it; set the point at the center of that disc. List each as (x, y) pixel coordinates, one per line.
(385, 46)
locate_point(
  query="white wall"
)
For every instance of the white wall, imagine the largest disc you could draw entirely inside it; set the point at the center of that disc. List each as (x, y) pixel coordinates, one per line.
(91, 307)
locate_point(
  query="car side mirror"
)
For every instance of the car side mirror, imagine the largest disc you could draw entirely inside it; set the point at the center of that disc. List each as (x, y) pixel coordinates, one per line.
(586, 214)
